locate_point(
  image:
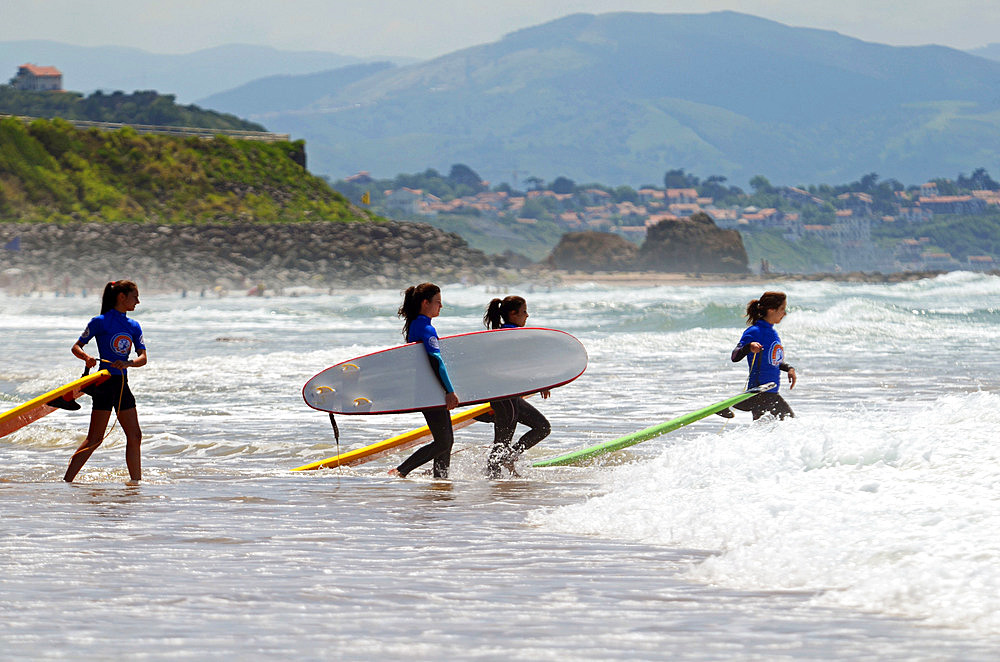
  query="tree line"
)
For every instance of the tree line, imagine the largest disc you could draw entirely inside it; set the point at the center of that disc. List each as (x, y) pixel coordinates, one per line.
(140, 107)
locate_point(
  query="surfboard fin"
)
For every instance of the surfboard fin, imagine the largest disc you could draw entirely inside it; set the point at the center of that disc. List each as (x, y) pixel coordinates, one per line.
(62, 403)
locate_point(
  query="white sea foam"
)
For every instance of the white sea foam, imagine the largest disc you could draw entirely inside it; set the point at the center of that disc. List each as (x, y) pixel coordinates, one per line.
(892, 511)
(878, 497)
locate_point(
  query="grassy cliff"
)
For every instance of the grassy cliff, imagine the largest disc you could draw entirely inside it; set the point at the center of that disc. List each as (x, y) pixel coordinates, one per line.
(50, 171)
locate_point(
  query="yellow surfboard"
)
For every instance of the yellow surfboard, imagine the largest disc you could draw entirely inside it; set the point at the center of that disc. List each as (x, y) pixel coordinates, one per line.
(397, 443)
(34, 409)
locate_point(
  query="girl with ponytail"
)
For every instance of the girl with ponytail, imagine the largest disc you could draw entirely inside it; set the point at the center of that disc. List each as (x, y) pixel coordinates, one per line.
(765, 355)
(421, 303)
(116, 336)
(511, 313)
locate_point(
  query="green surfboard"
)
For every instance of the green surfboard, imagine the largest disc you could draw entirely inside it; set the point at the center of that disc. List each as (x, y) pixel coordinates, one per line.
(649, 433)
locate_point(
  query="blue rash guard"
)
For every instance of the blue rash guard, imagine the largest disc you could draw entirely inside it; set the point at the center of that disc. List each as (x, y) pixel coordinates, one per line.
(116, 335)
(769, 362)
(422, 331)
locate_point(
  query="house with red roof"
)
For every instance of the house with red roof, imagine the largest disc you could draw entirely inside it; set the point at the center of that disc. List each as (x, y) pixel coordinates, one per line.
(953, 204)
(33, 78)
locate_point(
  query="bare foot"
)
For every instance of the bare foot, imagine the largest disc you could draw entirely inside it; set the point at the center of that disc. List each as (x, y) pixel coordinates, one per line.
(395, 473)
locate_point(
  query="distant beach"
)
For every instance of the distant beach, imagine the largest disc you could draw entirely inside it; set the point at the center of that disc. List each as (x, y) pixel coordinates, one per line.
(649, 278)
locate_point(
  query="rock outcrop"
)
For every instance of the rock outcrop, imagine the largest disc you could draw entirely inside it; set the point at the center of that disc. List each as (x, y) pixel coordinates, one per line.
(694, 244)
(593, 251)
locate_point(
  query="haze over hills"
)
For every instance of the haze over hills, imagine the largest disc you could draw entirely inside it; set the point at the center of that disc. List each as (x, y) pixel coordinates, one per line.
(189, 76)
(273, 94)
(621, 98)
(989, 51)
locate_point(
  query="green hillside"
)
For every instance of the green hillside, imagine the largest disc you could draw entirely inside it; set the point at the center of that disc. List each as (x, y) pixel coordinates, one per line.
(50, 171)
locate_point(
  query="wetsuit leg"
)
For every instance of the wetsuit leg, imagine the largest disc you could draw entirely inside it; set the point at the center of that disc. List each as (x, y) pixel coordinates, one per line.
(504, 424)
(439, 450)
(766, 403)
(540, 427)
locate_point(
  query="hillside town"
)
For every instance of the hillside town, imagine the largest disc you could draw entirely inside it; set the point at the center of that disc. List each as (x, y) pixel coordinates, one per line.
(844, 227)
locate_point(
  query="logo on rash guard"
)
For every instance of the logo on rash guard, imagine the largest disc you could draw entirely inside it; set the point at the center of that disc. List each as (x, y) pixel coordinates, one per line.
(777, 354)
(433, 343)
(121, 344)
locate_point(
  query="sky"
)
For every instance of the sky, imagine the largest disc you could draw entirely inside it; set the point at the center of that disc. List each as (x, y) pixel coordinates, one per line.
(428, 28)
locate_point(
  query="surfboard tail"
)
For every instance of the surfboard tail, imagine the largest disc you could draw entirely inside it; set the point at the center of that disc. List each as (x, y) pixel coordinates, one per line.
(62, 397)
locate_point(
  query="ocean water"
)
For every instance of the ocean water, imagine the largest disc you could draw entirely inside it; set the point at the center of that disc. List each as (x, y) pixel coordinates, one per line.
(867, 528)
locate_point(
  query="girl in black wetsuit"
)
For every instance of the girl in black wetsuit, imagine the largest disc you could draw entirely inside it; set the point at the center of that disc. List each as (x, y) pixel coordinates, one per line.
(421, 303)
(511, 313)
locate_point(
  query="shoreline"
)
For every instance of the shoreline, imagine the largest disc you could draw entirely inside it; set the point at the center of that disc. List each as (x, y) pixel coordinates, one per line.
(505, 279)
(653, 279)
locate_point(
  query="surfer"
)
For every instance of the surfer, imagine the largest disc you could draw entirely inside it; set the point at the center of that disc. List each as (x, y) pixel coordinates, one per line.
(512, 313)
(765, 355)
(421, 303)
(116, 336)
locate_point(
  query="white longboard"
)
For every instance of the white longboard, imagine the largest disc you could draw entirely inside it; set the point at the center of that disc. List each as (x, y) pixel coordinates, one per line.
(483, 366)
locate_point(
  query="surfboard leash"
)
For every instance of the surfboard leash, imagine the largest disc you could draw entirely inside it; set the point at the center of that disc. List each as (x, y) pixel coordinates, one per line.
(336, 436)
(121, 394)
(746, 386)
(753, 360)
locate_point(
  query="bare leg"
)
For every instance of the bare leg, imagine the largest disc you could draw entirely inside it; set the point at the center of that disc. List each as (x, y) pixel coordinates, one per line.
(95, 435)
(133, 440)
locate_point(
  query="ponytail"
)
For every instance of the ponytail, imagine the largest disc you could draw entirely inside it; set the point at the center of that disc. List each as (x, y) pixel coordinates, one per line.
(498, 311)
(757, 308)
(412, 298)
(111, 291)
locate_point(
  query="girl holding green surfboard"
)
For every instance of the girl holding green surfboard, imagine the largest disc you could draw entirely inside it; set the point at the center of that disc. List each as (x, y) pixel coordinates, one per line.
(765, 355)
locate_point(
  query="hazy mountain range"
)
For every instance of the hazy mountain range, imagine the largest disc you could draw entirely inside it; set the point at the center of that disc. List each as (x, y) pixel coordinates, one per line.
(621, 98)
(189, 76)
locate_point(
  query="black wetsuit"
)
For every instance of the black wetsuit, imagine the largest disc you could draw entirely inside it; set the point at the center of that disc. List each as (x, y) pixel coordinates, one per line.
(507, 413)
(439, 421)
(766, 403)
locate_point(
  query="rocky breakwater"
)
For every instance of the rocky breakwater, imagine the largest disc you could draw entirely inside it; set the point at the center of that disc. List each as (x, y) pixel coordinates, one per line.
(47, 256)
